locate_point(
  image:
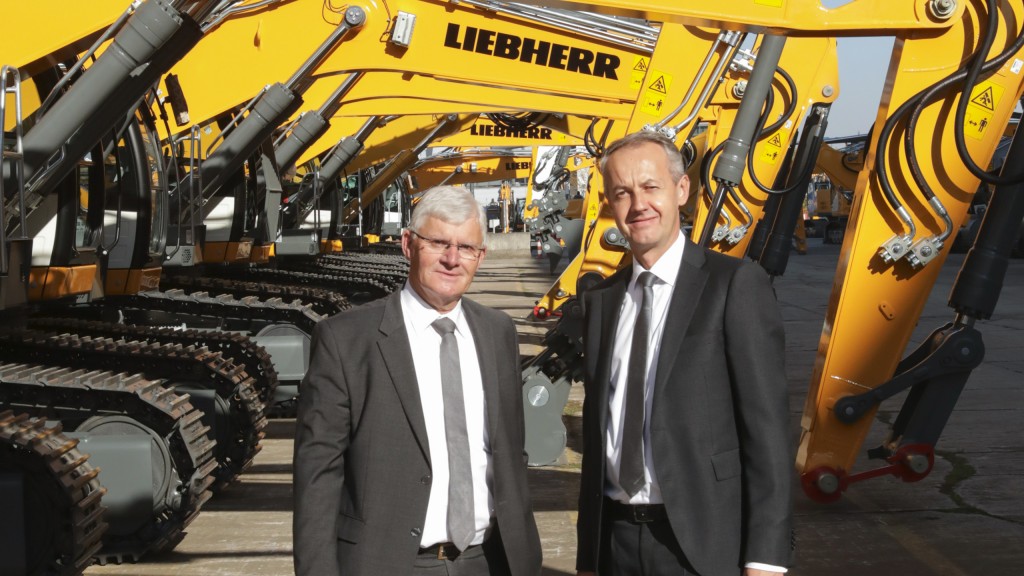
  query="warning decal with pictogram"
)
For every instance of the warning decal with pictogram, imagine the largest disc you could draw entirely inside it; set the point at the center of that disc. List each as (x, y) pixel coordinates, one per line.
(772, 149)
(659, 85)
(985, 99)
(636, 75)
(653, 101)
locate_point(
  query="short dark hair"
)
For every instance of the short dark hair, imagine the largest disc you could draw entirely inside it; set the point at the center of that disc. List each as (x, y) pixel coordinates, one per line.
(676, 165)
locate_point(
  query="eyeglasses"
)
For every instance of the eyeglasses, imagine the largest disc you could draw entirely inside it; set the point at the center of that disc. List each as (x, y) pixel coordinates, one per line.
(466, 251)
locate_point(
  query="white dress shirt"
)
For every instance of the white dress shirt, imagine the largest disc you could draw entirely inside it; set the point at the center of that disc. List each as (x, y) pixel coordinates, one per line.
(426, 350)
(665, 271)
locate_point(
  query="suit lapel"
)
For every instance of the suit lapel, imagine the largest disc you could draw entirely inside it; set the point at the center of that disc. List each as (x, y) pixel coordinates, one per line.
(486, 356)
(394, 346)
(609, 304)
(690, 284)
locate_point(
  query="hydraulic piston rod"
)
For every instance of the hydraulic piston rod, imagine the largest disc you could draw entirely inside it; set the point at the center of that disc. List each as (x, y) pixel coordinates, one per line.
(270, 110)
(729, 168)
(312, 125)
(144, 34)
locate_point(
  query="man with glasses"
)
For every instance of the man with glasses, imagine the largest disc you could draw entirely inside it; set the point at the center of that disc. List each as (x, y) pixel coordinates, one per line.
(409, 448)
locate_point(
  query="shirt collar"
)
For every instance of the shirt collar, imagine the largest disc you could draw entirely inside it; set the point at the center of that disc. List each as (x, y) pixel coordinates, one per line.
(666, 269)
(421, 315)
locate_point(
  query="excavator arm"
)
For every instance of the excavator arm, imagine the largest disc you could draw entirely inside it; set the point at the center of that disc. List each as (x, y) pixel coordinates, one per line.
(458, 167)
(812, 65)
(953, 81)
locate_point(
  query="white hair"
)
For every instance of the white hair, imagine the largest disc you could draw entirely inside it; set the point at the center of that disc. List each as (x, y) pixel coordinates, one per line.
(451, 204)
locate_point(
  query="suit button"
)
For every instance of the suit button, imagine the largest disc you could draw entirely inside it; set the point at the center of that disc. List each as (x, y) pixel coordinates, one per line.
(425, 479)
(416, 532)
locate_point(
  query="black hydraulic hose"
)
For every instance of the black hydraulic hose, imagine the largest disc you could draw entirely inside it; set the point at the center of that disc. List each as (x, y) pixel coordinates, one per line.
(748, 218)
(789, 109)
(590, 142)
(931, 93)
(594, 146)
(771, 208)
(918, 102)
(517, 123)
(977, 68)
(705, 185)
(718, 198)
(805, 167)
(705, 168)
(716, 206)
(881, 167)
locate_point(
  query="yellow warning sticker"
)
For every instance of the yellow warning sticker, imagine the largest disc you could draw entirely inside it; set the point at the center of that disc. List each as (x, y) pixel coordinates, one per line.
(771, 151)
(593, 209)
(984, 99)
(640, 66)
(653, 103)
(975, 123)
(772, 3)
(658, 84)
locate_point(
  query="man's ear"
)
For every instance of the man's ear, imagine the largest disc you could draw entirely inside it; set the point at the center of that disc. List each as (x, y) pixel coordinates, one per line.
(684, 189)
(407, 244)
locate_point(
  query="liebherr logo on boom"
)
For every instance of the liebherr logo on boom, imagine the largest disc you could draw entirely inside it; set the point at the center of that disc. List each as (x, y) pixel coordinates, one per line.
(534, 51)
(535, 133)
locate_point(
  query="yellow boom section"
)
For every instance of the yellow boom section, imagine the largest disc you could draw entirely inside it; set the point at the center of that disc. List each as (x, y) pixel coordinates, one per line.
(456, 42)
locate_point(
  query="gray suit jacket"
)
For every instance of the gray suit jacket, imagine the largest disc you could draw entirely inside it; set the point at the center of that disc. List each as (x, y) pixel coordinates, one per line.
(362, 464)
(718, 419)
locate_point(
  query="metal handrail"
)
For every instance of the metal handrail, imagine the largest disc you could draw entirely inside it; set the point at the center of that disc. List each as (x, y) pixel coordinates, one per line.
(17, 156)
(193, 136)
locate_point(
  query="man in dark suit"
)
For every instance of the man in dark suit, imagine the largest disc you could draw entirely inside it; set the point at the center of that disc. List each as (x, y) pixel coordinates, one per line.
(409, 448)
(686, 468)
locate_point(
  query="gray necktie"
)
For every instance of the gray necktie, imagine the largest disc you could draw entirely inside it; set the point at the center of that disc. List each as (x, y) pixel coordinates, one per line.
(631, 469)
(461, 521)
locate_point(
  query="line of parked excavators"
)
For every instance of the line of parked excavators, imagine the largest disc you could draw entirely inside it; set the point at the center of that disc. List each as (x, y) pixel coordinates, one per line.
(189, 186)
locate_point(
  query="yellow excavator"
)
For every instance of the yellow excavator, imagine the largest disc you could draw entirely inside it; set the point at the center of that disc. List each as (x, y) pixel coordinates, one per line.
(953, 83)
(125, 221)
(832, 185)
(804, 77)
(459, 166)
(79, 172)
(912, 193)
(810, 66)
(643, 109)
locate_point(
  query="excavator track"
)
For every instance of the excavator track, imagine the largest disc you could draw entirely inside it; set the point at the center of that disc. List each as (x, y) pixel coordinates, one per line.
(363, 259)
(175, 308)
(241, 349)
(323, 302)
(224, 307)
(62, 491)
(74, 395)
(396, 269)
(174, 362)
(359, 288)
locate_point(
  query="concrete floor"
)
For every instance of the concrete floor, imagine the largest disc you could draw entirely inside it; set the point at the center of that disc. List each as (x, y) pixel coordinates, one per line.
(966, 518)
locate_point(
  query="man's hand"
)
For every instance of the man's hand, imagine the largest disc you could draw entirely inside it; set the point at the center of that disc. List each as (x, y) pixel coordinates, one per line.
(759, 572)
